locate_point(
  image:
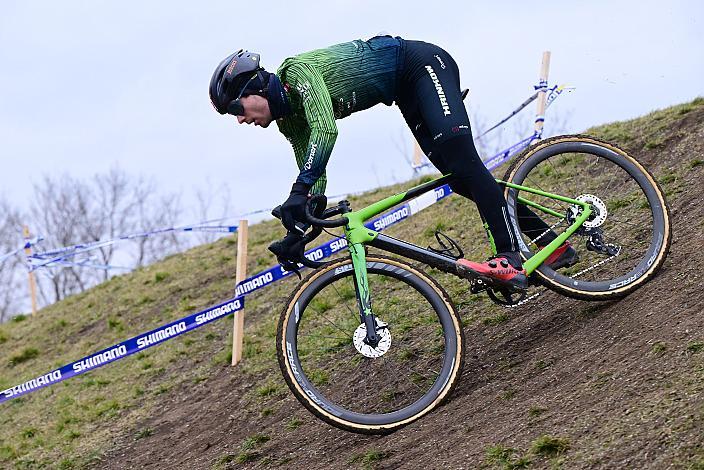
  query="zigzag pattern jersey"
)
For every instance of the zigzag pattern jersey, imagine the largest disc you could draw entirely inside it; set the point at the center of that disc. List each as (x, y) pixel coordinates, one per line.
(328, 84)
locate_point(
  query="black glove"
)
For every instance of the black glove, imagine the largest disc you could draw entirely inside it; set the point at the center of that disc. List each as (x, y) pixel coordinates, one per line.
(288, 251)
(293, 210)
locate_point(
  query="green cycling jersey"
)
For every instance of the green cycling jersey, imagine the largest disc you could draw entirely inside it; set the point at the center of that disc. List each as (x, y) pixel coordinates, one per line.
(328, 84)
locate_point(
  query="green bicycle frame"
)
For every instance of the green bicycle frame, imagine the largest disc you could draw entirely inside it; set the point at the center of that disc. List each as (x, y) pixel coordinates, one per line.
(358, 235)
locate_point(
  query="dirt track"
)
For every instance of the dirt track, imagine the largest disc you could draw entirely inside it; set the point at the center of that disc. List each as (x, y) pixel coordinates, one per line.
(620, 381)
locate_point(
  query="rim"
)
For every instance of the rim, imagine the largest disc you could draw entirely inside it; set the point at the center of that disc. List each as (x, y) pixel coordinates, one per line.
(635, 219)
(347, 385)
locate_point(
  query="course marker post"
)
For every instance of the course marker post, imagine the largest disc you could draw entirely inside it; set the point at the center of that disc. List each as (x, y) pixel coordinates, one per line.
(542, 88)
(32, 282)
(241, 275)
(417, 156)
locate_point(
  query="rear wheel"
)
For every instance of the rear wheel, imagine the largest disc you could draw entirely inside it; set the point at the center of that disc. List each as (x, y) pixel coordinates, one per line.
(351, 385)
(627, 238)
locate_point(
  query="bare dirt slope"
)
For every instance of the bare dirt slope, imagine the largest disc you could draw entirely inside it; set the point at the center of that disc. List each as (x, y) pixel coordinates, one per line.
(615, 384)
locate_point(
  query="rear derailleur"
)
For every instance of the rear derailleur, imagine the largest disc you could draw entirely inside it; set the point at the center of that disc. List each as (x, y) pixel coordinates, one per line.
(591, 228)
(595, 241)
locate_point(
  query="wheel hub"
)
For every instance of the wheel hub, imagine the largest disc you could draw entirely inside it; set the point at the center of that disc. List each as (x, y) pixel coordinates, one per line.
(599, 212)
(360, 334)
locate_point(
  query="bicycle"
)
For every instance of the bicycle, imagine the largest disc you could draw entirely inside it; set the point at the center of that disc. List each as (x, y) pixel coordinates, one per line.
(370, 343)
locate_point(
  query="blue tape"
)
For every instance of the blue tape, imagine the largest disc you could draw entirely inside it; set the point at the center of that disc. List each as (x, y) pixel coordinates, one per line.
(88, 264)
(506, 154)
(271, 275)
(211, 228)
(10, 255)
(196, 320)
(60, 255)
(125, 348)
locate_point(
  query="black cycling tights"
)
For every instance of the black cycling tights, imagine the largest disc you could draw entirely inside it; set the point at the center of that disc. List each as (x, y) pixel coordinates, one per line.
(459, 156)
(430, 100)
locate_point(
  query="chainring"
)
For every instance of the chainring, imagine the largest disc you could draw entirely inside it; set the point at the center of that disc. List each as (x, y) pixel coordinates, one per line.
(506, 298)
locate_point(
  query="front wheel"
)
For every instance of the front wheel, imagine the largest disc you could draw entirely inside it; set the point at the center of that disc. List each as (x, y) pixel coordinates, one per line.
(626, 239)
(351, 385)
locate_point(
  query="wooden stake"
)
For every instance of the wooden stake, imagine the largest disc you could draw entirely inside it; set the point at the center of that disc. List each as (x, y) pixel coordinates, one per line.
(32, 282)
(417, 155)
(540, 112)
(241, 275)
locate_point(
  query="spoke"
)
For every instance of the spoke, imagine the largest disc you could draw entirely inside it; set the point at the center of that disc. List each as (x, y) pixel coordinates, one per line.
(343, 300)
(532, 184)
(620, 221)
(408, 377)
(337, 327)
(606, 189)
(325, 318)
(311, 335)
(433, 375)
(617, 175)
(560, 179)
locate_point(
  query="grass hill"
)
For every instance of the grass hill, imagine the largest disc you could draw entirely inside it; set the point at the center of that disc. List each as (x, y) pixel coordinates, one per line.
(554, 383)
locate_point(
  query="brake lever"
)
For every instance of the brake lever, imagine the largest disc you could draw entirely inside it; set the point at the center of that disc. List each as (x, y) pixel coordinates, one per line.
(318, 203)
(276, 212)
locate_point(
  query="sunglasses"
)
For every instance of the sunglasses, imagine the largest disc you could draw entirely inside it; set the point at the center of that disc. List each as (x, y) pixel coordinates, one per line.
(235, 107)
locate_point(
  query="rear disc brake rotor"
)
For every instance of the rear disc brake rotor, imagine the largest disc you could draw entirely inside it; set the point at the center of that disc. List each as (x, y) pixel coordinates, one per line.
(599, 212)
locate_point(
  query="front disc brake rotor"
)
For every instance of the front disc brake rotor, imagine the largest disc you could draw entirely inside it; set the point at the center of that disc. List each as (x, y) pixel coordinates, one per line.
(384, 334)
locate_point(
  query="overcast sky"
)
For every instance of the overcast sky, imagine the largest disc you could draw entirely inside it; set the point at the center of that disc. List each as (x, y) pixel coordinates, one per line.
(85, 85)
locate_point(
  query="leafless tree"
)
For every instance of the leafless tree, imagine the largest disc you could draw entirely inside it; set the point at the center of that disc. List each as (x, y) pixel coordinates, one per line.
(155, 213)
(116, 199)
(66, 211)
(10, 268)
(59, 209)
(212, 203)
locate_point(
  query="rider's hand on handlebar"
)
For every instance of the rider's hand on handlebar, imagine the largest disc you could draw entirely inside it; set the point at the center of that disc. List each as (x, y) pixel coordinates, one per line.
(289, 250)
(293, 210)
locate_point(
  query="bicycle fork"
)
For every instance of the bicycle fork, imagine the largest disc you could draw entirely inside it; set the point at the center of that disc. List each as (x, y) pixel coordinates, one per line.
(361, 287)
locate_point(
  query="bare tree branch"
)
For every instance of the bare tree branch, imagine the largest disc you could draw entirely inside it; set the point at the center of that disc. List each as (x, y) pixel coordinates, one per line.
(10, 268)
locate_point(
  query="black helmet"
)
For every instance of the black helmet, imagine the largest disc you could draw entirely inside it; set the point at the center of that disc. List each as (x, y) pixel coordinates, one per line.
(230, 80)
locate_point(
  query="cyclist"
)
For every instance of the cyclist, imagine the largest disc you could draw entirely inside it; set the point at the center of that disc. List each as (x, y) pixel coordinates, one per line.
(311, 90)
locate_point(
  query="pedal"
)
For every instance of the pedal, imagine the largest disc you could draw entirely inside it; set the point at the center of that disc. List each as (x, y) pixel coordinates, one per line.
(452, 251)
(477, 285)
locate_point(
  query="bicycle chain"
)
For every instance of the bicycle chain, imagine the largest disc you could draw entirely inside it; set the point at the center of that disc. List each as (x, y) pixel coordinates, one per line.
(548, 230)
(598, 264)
(541, 291)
